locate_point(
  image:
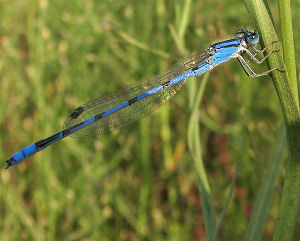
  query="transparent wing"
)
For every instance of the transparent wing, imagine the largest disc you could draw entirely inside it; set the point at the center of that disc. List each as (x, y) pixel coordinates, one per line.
(133, 112)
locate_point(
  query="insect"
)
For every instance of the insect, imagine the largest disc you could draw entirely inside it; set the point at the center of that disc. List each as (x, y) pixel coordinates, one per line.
(111, 112)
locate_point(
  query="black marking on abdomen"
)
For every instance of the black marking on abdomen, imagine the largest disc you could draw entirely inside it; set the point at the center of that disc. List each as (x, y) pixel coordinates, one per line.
(195, 68)
(77, 112)
(70, 131)
(43, 143)
(133, 100)
(99, 116)
(166, 84)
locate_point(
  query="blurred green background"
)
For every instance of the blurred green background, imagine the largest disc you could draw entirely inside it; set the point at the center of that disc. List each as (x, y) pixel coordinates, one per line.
(138, 183)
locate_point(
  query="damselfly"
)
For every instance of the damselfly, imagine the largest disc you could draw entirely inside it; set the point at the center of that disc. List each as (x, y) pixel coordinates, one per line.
(117, 110)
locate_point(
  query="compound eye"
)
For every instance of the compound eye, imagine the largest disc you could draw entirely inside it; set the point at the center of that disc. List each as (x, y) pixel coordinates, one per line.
(253, 39)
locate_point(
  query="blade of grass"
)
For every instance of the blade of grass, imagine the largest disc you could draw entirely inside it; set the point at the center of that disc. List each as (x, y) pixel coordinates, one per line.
(193, 129)
(289, 207)
(144, 196)
(232, 186)
(127, 38)
(184, 22)
(288, 43)
(264, 197)
(195, 149)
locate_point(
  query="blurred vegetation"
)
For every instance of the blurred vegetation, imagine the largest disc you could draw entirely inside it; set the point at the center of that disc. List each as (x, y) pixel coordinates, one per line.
(141, 182)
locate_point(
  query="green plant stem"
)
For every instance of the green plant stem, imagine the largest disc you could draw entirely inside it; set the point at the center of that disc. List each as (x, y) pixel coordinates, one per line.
(289, 206)
(288, 43)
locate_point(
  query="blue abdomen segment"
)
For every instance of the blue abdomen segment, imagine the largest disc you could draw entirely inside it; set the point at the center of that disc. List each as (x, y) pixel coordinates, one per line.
(203, 68)
(21, 155)
(40, 145)
(32, 149)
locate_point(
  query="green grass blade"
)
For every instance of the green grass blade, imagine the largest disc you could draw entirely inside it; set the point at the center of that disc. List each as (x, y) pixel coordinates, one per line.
(289, 207)
(264, 197)
(288, 43)
(229, 198)
(193, 129)
(195, 149)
